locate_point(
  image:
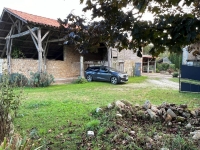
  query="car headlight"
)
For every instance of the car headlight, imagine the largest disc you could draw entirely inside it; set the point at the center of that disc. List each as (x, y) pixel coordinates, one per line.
(121, 75)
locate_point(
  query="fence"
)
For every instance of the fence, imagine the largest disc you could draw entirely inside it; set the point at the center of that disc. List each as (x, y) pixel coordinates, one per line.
(189, 80)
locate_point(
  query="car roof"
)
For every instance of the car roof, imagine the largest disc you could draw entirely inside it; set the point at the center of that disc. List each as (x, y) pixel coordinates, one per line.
(96, 66)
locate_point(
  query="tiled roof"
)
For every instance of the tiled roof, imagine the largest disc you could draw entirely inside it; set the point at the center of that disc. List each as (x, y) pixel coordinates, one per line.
(34, 18)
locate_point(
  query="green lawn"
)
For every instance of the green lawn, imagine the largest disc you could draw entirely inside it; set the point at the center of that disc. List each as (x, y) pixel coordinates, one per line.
(58, 114)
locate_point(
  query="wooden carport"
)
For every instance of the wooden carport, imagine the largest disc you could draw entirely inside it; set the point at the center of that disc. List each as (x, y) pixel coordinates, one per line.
(37, 37)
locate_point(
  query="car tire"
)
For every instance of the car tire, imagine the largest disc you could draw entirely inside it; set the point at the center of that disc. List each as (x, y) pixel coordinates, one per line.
(89, 78)
(114, 80)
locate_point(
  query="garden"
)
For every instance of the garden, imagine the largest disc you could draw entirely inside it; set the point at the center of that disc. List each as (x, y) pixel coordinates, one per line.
(85, 116)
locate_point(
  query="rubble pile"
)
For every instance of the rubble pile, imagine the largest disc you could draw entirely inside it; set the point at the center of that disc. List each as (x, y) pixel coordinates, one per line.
(147, 126)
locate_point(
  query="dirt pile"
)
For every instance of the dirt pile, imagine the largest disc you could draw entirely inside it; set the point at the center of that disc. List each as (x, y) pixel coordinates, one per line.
(124, 126)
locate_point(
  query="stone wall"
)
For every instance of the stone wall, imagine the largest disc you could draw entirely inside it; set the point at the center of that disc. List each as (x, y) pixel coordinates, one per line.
(128, 58)
(61, 70)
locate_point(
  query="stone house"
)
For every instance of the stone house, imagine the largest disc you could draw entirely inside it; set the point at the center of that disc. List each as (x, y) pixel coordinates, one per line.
(30, 43)
(191, 55)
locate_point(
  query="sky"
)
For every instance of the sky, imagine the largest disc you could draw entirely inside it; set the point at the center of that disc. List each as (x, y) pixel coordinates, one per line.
(46, 8)
(53, 9)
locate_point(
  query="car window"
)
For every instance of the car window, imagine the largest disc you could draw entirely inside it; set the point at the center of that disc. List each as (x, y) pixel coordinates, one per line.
(103, 70)
(93, 69)
(96, 69)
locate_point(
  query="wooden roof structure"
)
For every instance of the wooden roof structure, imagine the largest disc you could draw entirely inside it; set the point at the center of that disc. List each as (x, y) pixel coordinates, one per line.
(35, 36)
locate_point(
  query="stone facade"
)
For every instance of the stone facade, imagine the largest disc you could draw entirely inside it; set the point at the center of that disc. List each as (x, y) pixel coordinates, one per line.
(125, 60)
(191, 55)
(61, 70)
(70, 66)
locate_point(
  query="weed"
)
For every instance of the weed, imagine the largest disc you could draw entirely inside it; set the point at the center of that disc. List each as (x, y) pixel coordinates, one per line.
(80, 80)
(10, 97)
(175, 74)
(92, 125)
(42, 79)
(73, 105)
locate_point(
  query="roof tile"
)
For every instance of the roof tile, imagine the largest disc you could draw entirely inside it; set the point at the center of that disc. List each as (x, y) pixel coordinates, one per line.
(34, 18)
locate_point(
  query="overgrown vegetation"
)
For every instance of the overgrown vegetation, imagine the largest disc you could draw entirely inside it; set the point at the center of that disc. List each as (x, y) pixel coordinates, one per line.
(40, 79)
(18, 79)
(10, 97)
(176, 59)
(57, 116)
(17, 53)
(170, 68)
(175, 74)
(16, 142)
(135, 129)
(80, 80)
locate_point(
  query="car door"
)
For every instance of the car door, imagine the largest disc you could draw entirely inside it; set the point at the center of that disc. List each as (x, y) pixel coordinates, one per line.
(104, 74)
(94, 73)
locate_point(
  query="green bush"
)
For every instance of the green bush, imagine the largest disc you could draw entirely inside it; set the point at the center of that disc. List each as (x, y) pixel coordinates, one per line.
(18, 79)
(9, 104)
(162, 66)
(172, 66)
(42, 79)
(175, 74)
(157, 70)
(80, 80)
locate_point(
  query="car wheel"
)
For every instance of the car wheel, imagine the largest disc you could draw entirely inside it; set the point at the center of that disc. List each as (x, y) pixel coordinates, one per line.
(113, 80)
(89, 78)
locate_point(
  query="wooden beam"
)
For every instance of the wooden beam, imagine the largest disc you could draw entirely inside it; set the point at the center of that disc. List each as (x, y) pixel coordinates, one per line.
(11, 18)
(19, 29)
(4, 49)
(24, 41)
(40, 50)
(2, 38)
(34, 41)
(23, 33)
(28, 47)
(45, 35)
(2, 44)
(32, 33)
(4, 30)
(57, 40)
(6, 22)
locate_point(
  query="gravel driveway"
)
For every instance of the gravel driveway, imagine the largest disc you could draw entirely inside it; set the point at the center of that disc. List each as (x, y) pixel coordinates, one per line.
(156, 80)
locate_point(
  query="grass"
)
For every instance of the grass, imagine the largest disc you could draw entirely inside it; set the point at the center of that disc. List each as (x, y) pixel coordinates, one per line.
(59, 114)
(175, 79)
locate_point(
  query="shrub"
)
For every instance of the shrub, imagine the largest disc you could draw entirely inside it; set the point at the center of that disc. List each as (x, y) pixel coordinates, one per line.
(175, 74)
(172, 66)
(157, 70)
(18, 79)
(163, 66)
(42, 79)
(80, 80)
(16, 142)
(9, 103)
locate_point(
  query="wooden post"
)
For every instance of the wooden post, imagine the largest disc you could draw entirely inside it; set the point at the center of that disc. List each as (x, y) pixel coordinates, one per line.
(40, 64)
(148, 66)
(155, 66)
(81, 67)
(109, 56)
(9, 48)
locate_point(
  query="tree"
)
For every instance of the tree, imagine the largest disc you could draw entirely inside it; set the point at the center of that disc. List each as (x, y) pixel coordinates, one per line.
(175, 24)
(176, 59)
(147, 48)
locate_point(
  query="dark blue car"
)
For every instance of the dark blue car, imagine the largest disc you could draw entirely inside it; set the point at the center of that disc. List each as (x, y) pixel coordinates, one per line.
(104, 73)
